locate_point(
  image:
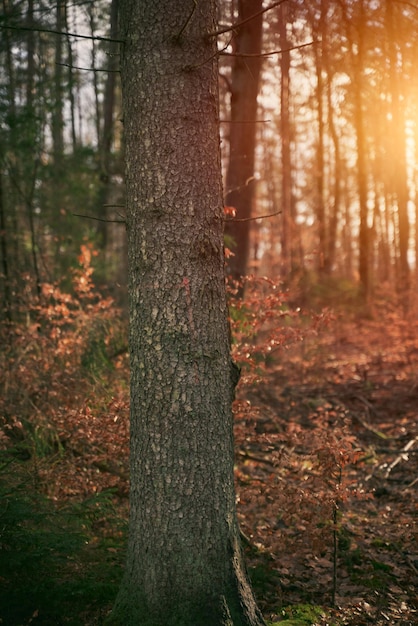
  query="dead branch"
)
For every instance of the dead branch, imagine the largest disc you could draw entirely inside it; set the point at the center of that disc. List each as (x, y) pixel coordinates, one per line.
(60, 32)
(402, 456)
(250, 219)
(237, 25)
(268, 54)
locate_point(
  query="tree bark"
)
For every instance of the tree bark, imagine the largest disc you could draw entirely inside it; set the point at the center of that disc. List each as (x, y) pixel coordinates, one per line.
(245, 80)
(364, 244)
(398, 148)
(184, 563)
(58, 112)
(288, 230)
(106, 139)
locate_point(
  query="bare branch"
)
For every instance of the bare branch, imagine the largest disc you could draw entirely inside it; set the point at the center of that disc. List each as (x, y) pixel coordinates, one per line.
(183, 28)
(268, 54)
(59, 32)
(99, 219)
(88, 69)
(228, 29)
(250, 219)
(189, 68)
(244, 121)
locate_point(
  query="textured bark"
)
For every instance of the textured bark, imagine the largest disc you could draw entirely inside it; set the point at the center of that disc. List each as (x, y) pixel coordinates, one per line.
(184, 564)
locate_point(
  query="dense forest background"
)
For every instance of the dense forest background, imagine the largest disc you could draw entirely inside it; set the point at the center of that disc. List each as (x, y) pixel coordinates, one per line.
(319, 132)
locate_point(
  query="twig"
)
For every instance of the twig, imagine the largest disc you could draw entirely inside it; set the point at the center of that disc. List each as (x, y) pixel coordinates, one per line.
(249, 219)
(244, 121)
(228, 29)
(183, 28)
(60, 32)
(409, 485)
(189, 68)
(253, 457)
(401, 457)
(88, 69)
(99, 219)
(268, 54)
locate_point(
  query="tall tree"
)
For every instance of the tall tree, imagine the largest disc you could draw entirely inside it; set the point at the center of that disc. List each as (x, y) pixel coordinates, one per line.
(287, 233)
(398, 143)
(356, 31)
(184, 563)
(58, 110)
(245, 79)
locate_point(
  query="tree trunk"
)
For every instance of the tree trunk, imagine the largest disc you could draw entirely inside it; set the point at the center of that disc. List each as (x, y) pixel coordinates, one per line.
(361, 146)
(320, 158)
(184, 563)
(287, 234)
(108, 126)
(7, 300)
(398, 150)
(58, 113)
(242, 134)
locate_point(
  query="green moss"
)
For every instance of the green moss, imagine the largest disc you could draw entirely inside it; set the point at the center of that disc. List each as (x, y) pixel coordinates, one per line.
(302, 615)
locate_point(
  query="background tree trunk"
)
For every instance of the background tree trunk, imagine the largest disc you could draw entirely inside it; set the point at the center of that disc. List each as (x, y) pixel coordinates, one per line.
(398, 146)
(184, 564)
(240, 182)
(288, 229)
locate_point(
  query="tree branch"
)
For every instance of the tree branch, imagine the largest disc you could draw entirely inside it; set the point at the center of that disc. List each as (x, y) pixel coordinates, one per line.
(268, 54)
(183, 28)
(99, 219)
(250, 219)
(228, 29)
(244, 121)
(59, 32)
(88, 69)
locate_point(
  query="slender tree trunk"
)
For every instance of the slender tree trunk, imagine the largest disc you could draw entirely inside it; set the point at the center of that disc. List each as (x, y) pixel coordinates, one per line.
(9, 194)
(58, 115)
(30, 82)
(184, 563)
(28, 186)
(240, 184)
(97, 116)
(108, 123)
(7, 300)
(361, 154)
(320, 159)
(287, 234)
(71, 83)
(398, 153)
(336, 203)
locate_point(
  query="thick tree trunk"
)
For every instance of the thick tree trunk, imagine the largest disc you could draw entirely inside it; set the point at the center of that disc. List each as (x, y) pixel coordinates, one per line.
(184, 564)
(242, 135)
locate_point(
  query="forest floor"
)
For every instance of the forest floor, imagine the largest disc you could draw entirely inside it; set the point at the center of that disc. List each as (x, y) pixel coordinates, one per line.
(326, 473)
(353, 384)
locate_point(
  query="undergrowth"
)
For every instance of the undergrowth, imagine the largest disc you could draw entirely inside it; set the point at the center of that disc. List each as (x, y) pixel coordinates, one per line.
(64, 457)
